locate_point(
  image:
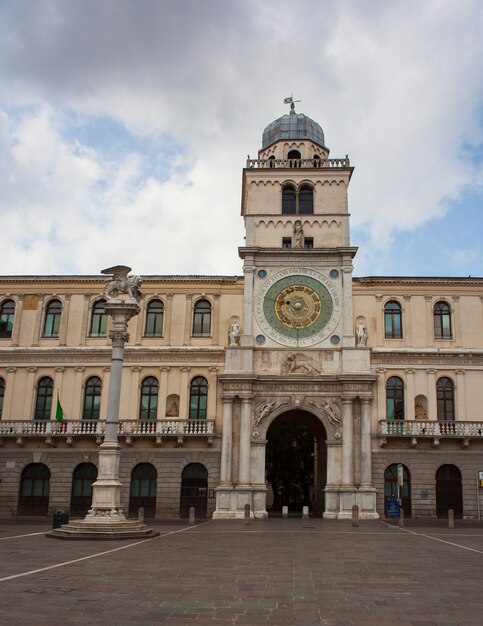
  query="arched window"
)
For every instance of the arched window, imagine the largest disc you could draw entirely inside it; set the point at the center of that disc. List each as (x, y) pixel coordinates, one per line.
(198, 398)
(442, 321)
(143, 490)
(2, 394)
(53, 313)
(392, 320)
(99, 319)
(306, 200)
(449, 491)
(202, 319)
(7, 315)
(271, 161)
(317, 160)
(43, 401)
(194, 490)
(154, 319)
(148, 405)
(289, 200)
(394, 398)
(445, 399)
(92, 398)
(294, 157)
(34, 490)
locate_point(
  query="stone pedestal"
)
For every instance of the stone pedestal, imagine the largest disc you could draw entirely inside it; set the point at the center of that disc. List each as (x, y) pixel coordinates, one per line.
(105, 519)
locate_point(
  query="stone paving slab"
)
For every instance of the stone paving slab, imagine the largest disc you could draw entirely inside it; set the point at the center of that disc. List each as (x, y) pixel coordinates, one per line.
(274, 572)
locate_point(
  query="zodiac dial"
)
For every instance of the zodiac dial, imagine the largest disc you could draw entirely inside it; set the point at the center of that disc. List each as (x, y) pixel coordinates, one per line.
(298, 306)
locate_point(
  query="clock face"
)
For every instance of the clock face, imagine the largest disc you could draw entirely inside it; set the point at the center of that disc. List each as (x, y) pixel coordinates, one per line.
(298, 307)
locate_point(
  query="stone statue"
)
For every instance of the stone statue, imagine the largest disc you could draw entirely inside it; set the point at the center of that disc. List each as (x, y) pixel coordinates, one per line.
(120, 283)
(234, 334)
(361, 334)
(293, 365)
(419, 411)
(331, 411)
(264, 408)
(173, 410)
(298, 235)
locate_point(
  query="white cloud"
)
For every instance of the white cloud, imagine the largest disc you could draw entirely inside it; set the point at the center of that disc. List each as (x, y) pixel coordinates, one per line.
(397, 85)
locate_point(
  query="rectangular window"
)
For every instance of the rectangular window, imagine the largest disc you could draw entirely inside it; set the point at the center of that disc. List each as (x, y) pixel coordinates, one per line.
(287, 242)
(308, 242)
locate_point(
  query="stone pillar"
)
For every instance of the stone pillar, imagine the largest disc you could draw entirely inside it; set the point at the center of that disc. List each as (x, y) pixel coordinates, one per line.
(380, 320)
(429, 320)
(226, 443)
(17, 322)
(85, 319)
(29, 394)
(460, 395)
(409, 404)
(140, 324)
(245, 442)
(105, 390)
(64, 322)
(347, 442)
(212, 398)
(38, 319)
(366, 446)
(215, 322)
(168, 312)
(77, 404)
(457, 330)
(106, 491)
(432, 403)
(133, 410)
(248, 270)
(7, 400)
(187, 319)
(163, 393)
(348, 321)
(381, 394)
(407, 321)
(59, 373)
(184, 394)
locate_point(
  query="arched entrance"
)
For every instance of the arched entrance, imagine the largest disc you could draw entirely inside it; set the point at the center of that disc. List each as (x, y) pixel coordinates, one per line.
(143, 490)
(391, 488)
(34, 490)
(296, 463)
(81, 498)
(449, 491)
(194, 490)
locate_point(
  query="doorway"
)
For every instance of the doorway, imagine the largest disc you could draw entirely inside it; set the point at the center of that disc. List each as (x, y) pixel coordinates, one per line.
(296, 463)
(143, 490)
(449, 491)
(194, 490)
(34, 490)
(391, 488)
(81, 498)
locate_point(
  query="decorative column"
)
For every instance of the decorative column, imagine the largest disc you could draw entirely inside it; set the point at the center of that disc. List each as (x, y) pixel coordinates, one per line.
(64, 325)
(184, 394)
(226, 443)
(163, 393)
(38, 319)
(133, 404)
(460, 395)
(187, 319)
(409, 405)
(78, 387)
(381, 394)
(29, 393)
(348, 322)
(347, 443)
(457, 321)
(407, 321)
(432, 402)
(168, 308)
(17, 322)
(85, 319)
(245, 437)
(59, 374)
(428, 299)
(215, 326)
(7, 401)
(366, 447)
(105, 518)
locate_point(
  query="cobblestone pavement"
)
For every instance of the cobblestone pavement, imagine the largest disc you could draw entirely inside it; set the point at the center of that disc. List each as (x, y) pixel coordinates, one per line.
(284, 572)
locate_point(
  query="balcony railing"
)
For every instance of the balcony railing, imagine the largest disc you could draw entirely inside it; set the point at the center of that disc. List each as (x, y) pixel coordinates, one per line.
(421, 429)
(128, 429)
(301, 163)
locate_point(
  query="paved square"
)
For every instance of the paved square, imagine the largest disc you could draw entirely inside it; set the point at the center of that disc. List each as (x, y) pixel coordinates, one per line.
(276, 571)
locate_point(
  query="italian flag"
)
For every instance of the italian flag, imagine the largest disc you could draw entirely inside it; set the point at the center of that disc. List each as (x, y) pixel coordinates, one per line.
(59, 412)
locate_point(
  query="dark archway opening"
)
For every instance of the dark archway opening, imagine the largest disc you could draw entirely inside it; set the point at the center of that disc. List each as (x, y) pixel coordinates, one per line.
(391, 488)
(194, 490)
(296, 463)
(81, 497)
(143, 490)
(449, 491)
(34, 490)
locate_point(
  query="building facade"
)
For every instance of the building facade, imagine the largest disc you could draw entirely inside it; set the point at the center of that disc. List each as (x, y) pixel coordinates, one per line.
(296, 384)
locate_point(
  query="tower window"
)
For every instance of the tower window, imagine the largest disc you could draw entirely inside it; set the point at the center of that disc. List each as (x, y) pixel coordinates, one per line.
(308, 242)
(287, 242)
(294, 157)
(297, 201)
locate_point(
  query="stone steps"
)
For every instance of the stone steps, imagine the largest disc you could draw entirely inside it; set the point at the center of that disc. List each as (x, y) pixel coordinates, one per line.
(116, 530)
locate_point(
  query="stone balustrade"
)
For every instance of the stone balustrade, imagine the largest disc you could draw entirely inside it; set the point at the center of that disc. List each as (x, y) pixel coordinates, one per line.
(419, 429)
(128, 429)
(302, 163)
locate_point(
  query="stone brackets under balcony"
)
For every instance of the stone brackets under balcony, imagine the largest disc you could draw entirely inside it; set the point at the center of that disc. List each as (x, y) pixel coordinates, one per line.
(52, 431)
(429, 429)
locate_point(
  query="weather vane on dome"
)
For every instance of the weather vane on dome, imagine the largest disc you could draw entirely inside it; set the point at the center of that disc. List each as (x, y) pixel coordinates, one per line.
(292, 102)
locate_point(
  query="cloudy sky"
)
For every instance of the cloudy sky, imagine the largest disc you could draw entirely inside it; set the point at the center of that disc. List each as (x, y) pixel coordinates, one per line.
(125, 124)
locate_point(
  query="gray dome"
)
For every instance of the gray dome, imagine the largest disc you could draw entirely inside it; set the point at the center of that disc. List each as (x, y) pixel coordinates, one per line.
(293, 126)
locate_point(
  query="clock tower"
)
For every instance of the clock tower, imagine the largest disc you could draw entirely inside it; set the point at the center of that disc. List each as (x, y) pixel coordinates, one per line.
(297, 360)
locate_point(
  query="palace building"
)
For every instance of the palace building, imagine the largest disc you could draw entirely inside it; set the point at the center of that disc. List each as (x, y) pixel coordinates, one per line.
(295, 384)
